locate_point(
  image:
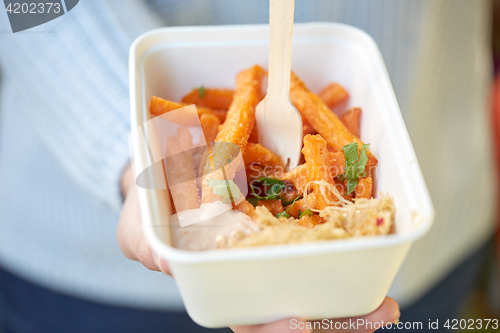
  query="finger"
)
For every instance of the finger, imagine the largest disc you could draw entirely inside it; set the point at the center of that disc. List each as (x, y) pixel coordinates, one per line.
(282, 326)
(162, 264)
(387, 312)
(130, 236)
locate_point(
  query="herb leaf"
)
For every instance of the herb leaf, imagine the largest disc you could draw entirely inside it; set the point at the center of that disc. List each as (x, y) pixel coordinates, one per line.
(293, 202)
(351, 186)
(274, 190)
(354, 167)
(291, 205)
(363, 159)
(275, 187)
(253, 200)
(283, 214)
(223, 188)
(201, 91)
(270, 181)
(341, 178)
(306, 212)
(351, 153)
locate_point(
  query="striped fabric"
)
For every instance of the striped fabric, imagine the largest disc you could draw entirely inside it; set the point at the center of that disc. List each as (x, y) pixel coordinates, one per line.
(63, 136)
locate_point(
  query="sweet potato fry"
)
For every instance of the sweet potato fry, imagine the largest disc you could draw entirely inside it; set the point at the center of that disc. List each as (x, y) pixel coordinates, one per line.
(246, 208)
(297, 176)
(316, 155)
(257, 153)
(334, 95)
(310, 221)
(342, 188)
(159, 106)
(240, 117)
(274, 206)
(213, 98)
(254, 171)
(254, 135)
(299, 205)
(336, 162)
(238, 125)
(307, 129)
(321, 118)
(364, 188)
(260, 162)
(182, 170)
(210, 125)
(352, 120)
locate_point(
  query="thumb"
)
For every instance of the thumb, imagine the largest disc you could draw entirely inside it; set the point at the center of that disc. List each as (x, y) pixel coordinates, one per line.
(290, 325)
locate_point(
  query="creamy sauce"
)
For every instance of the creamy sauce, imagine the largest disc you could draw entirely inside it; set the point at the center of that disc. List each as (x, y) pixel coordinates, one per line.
(219, 231)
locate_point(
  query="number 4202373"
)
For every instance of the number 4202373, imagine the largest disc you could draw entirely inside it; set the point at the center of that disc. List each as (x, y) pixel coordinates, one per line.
(33, 8)
(471, 324)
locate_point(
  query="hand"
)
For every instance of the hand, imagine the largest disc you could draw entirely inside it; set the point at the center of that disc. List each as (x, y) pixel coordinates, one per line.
(129, 233)
(134, 246)
(387, 313)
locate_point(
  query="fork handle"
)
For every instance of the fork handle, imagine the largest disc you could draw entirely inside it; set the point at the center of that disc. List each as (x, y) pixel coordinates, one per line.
(280, 47)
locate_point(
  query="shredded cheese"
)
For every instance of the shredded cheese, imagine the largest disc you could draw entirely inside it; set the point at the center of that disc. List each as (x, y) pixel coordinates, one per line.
(323, 186)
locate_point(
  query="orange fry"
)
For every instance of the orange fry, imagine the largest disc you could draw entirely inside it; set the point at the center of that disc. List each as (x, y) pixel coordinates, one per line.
(210, 125)
(316, 155)
(257, 153)
(336, 162)
(342, 188)
(238, 125)
(246, 208)
(181, 168)
(260, 161)
(310, 221)
(254, 136)
(274, 206)
(307, 129)
(334, 95)
(213, 98)
(297, 176)
(160, 106)
(240, 117)
(364, 188)
(299, 205)
(321, 118)
(352, 120)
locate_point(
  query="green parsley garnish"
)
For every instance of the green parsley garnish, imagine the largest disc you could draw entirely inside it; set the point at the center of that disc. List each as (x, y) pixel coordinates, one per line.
(253, 200)
(286, 203)
(306, 212)
(225, 188)
(201, 91)
(274, 188)
(354, 168)
(285, 212)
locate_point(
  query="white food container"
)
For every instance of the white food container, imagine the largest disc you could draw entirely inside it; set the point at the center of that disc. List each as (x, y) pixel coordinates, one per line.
(318, 280)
